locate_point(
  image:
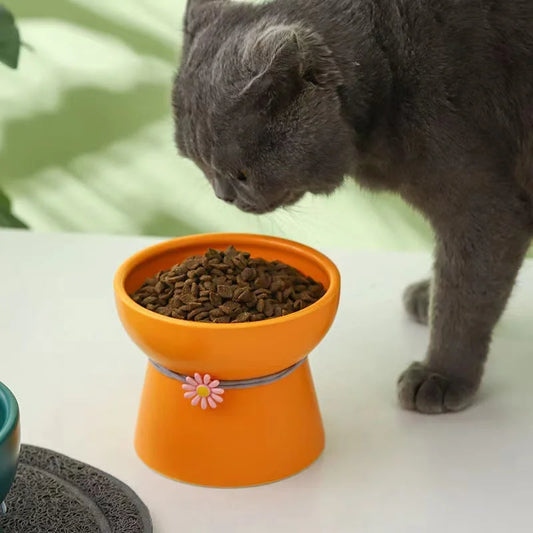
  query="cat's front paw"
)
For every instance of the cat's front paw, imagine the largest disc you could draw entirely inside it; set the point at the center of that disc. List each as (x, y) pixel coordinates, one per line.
(416, 301)
(420, 389)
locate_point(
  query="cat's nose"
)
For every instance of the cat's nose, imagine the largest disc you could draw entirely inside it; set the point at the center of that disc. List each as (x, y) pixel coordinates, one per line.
(224, 191)
(227, 199)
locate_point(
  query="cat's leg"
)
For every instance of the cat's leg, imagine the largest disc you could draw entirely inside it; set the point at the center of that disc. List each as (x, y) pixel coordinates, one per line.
(416, 301)
(475, 268)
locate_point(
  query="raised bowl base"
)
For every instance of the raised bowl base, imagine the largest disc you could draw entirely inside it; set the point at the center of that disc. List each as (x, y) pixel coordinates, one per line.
(257, 435)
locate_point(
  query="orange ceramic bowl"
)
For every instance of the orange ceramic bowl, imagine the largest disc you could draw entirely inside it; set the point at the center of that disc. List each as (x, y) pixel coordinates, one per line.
(229, 351)
(258, 434)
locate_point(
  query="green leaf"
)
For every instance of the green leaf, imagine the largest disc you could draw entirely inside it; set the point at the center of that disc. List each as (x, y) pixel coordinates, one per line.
(9, 39)
(7, 218)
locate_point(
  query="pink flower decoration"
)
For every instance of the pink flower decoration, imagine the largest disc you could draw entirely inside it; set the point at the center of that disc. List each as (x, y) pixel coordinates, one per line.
(203, 391)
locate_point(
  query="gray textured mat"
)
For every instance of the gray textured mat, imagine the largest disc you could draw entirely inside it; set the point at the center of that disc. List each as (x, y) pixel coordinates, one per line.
(53, 493)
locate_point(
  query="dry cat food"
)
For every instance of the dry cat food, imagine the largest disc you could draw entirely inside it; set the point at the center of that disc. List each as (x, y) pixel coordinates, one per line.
(229, 286)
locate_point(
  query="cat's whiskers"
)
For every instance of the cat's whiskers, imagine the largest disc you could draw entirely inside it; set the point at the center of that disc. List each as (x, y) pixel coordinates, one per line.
(275, 223)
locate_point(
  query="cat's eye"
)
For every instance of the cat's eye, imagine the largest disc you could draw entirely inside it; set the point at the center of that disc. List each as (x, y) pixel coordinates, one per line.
(241, 176)
(310, 77)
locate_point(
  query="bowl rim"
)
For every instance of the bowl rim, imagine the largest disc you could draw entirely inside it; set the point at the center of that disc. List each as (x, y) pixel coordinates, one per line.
(10, 423)
(137, 258)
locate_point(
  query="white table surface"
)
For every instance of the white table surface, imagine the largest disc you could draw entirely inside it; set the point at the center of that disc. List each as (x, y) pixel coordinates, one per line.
(78, 378)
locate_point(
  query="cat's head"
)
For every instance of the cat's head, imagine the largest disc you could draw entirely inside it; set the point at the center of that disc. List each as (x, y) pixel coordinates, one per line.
(257, 108)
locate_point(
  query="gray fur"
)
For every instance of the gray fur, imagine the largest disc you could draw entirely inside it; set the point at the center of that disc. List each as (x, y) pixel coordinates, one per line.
(431, 99)
(416, 301)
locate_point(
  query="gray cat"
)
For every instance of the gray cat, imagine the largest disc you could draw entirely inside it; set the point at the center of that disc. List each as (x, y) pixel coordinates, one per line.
(431, 99)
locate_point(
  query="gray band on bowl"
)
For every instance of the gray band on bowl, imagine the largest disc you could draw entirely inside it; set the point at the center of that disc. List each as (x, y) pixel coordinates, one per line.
(237, 383)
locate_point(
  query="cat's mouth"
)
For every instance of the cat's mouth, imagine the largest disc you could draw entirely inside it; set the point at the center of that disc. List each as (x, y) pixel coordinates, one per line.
(255, 209)
(264, 208)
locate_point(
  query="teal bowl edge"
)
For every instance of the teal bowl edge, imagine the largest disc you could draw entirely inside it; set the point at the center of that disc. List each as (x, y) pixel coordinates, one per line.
(9, 440)
(8, 426)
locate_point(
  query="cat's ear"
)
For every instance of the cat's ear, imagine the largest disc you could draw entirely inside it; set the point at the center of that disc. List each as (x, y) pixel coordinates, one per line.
(282, 59)
(198, 14)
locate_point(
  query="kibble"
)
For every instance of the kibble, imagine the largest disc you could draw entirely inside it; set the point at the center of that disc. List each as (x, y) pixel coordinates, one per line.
(226, 287)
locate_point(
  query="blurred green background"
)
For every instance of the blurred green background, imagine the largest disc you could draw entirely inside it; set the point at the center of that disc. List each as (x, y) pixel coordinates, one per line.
(86, 140)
